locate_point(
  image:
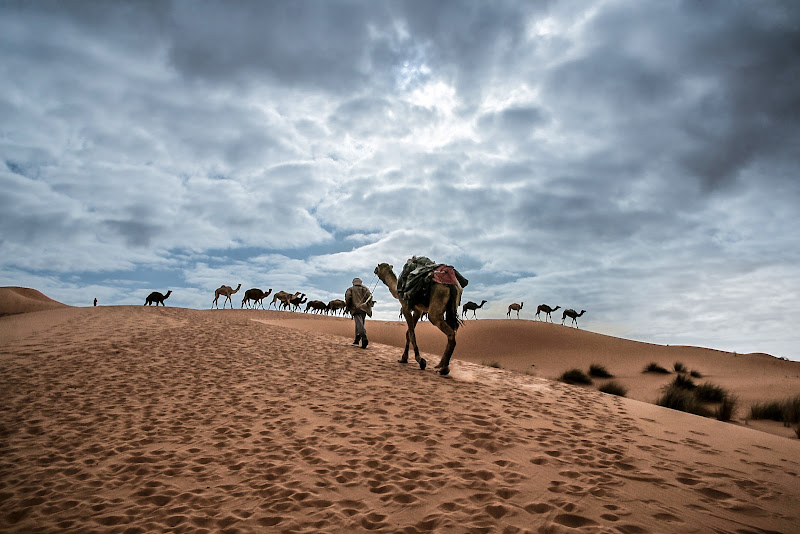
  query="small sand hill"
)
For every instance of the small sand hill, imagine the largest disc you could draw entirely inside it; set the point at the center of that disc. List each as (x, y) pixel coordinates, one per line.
(15, 300)
(546, 350)
(137, 419)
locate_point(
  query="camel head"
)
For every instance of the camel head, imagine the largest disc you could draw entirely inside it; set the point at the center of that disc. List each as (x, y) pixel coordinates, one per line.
(383, 269)
(168, 293)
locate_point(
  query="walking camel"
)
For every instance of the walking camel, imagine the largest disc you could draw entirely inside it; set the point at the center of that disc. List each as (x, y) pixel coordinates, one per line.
(471, 306)
(316, 306)
(516, 307)
(256, 296)
(227, 291)
(547, 310)
(157, 297)
(284, 297)
(574, 315)
(442, 310)
(295, 302)
(335, 305)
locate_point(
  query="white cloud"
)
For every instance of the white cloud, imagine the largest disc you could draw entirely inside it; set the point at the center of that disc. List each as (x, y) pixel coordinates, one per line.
(628, 159)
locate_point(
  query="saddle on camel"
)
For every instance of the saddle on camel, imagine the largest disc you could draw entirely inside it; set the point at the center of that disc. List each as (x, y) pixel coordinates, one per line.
(427, 287)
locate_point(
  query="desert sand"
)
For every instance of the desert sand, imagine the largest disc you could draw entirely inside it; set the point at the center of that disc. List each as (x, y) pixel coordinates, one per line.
(141, 419)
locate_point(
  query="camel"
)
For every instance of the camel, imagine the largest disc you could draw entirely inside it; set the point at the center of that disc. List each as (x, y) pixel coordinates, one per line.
(256, 296)
(573, 314)
(156, 297)
(227, 291)
(516, 307)
(335, 305)
(471, 306)
(294, 302)
(442, 310)
(316, 306)
(282, 296)
(547, 310)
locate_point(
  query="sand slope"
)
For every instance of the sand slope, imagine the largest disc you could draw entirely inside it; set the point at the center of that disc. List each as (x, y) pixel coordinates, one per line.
(23, 300)
(133, 419)
(547, 350)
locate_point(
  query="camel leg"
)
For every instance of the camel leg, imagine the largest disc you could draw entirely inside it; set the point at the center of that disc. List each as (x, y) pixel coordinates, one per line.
(411, 339)
(444, 364)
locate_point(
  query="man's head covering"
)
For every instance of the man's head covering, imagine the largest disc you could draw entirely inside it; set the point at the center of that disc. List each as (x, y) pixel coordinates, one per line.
(357, 281)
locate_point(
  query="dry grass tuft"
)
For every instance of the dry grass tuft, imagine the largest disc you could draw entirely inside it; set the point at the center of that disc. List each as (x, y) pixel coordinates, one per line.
(655, 368)
(614, 388)
(575, 376)
(599, 371)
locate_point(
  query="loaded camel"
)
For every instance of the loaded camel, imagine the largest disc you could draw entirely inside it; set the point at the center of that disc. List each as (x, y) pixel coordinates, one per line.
(547, 310)
(156, 297)
(256, 296)
(442, 310)
(573, 314)
(226, 291)
(471, 306)
(516, 307)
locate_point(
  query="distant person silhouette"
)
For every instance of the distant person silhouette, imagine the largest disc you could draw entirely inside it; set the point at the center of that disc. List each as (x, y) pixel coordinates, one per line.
(95, 301)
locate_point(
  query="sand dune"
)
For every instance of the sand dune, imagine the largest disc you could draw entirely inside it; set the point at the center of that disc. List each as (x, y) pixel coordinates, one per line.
(547, 350)
(23, 300)
(134, 419)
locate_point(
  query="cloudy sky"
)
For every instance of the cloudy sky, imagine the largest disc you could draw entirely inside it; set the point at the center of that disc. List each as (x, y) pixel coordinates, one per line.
(635, 159)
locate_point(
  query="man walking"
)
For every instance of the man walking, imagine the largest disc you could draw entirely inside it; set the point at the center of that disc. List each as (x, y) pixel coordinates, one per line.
(358, 301)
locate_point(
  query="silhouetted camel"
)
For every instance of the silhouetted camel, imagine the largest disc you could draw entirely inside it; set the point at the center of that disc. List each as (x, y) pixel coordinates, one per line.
(442, 310)
(471, 306)
(547, 310)
(294, 302)
(284, 297)
(316, 306)
(573, 314)
(256, 296)
(156, 297)
(227, 291)
(335, 305)
(516, 307)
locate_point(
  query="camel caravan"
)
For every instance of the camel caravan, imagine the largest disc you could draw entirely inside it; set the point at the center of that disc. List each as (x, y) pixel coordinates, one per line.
(424, 288)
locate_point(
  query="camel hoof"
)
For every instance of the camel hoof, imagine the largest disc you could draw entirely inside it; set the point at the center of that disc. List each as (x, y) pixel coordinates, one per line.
(422, 363)
(444, 371)
(402, 361)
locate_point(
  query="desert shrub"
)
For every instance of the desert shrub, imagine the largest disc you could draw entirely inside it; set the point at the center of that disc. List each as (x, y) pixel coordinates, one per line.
(791, 410)
(683, 400)
(655, 368)
(575, 376)
(726, 410)
(495, 365)
(598, 371)
(708, 392)
(695, 374)
(679, 367)
(614, 388)
(772, 410)
(683, 382)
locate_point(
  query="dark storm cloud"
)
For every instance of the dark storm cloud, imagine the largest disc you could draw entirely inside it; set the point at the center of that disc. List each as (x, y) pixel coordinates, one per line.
(717, 83)
(294, 43)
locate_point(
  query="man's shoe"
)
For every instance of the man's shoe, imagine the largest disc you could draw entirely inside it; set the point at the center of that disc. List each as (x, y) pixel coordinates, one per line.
(358, 338)
(364, 342)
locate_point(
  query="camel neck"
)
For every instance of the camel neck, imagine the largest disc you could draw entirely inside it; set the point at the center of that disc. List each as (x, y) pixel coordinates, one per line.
(391, 282)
